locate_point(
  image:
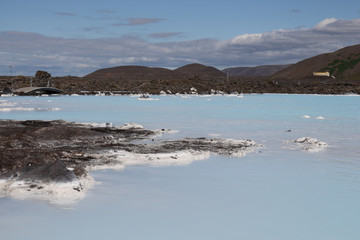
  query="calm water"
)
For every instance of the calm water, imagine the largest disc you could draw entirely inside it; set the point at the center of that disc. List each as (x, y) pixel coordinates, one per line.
(274, 193)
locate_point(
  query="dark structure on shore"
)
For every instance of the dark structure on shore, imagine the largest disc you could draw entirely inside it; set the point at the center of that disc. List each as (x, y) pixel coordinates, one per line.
(37, 90)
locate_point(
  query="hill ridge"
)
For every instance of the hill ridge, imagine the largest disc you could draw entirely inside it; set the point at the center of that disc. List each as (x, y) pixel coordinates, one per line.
(144, 73)
(261, 70)
(343, 63)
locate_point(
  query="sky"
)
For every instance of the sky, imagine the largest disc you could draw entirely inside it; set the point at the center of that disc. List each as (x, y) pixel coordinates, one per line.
(78, 37)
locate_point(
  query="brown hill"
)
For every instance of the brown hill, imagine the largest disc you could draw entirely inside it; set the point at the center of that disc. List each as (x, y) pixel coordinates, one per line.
(196, 70)
(140, 73)
(264, 70)
(343, 63)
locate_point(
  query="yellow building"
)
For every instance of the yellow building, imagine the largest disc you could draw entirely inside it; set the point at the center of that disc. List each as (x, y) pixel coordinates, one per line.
(321, 74)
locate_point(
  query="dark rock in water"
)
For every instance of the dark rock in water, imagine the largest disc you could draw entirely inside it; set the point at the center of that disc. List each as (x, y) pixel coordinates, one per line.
(42, 142)
(6, 90)
(31, 150)
(50, 172)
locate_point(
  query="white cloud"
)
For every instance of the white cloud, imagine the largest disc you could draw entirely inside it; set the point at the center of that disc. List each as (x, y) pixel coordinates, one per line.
(325, 23)
(247, 39)
(131, 60)
(27, 52)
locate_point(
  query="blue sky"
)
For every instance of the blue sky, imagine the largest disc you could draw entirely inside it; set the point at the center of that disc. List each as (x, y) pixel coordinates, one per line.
(77, 37)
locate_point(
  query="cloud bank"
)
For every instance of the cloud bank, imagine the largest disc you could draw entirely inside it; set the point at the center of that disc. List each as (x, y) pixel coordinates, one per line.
(29, 52)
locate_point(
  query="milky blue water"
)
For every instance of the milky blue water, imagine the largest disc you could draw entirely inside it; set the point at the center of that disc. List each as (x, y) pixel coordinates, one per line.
(274, 193)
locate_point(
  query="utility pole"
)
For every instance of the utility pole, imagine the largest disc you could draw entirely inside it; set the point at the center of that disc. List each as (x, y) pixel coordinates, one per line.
(12, 80)
(10, 70)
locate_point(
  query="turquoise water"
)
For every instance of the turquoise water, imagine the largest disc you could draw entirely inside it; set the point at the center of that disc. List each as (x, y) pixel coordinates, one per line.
(274, 193)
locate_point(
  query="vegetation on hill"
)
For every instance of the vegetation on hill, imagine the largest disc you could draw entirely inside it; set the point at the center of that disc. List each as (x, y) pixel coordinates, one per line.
(343, 63)
(338, 66)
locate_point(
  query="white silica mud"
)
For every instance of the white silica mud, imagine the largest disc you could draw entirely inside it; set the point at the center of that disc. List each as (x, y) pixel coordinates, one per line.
(56, 193)
(308, 144)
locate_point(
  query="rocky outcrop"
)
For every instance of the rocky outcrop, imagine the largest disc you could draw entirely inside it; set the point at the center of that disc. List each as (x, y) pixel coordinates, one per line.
(42, 75)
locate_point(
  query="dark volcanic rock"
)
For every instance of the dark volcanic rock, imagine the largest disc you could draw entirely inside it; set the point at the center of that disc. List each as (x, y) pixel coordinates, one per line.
(6, 90)
(24, 143)
(47, 172)
(42, 75)
(33, 149)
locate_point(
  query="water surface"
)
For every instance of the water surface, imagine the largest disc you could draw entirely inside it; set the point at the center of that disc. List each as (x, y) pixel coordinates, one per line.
(273, 193)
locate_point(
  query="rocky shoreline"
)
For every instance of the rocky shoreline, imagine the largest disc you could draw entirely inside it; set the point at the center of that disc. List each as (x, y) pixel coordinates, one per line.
(38, 156)
(87, 86)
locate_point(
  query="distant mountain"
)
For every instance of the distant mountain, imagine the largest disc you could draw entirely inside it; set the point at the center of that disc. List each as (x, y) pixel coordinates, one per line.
(201, 71)
(142, 73)
(265, 70)
(135, 73)
(343, 64)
